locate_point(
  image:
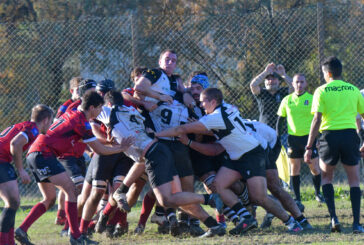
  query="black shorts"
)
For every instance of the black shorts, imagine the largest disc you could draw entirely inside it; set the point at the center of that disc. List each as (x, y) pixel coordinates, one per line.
(181, 157)
(340, 144)
(273, 155)
(159, 164)
(75, 167)
(44, 167)
(106, 167)
(203, 164)
(296, 147)
(7, 172)
(250, 164)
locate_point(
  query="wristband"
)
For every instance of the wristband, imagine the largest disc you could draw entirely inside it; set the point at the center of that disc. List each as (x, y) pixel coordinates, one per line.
(308, 148)
(189, 143)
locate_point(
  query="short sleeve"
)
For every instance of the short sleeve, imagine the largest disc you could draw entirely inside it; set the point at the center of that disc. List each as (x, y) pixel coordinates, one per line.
(213, 121)
(30, 132)
(317, 102)
(282, 112)
(83, 128)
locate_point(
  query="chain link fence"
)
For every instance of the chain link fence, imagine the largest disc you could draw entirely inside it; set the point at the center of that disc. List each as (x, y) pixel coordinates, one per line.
(38, 59)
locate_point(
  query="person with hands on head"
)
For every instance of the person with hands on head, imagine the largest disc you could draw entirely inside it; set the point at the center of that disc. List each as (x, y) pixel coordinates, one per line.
(14, 140)
(335, 106)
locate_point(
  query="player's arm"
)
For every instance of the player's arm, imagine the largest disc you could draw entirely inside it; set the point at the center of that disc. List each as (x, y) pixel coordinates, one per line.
(101, 149)
(208, 149)
(190, 128)
(16, 150)
(282, 72)
(279, 125)
(143, 86)
(255, 83)
(96, 130)
(314, 130)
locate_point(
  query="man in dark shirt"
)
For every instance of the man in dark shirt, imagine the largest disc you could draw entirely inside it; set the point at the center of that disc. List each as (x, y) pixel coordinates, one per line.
(270, 97)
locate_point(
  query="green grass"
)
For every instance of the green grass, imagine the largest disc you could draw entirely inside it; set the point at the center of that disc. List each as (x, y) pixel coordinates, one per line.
(45, 232)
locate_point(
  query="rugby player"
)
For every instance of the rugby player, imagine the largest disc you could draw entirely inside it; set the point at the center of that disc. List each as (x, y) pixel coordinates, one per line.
(14, 140)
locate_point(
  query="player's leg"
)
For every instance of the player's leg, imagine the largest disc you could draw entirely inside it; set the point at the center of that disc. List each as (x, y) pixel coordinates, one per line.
(9, 193)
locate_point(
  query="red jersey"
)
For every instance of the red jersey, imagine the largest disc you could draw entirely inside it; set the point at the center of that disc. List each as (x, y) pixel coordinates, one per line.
(62, 136)
(73, 106)
(79, 148)
(131, 92)
(62, 109)
(28, 129)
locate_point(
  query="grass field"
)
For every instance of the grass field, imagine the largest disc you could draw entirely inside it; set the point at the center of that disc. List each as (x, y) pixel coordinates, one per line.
(45, 232)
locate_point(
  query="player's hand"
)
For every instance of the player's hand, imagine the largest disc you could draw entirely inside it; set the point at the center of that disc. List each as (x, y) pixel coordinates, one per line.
(188, 100)
(270, 68)
(307, 156)
(280, 70)
(183, 139)
(362, 151)
(166, 98)
(150, 106)
(25, 179)
(126, 143)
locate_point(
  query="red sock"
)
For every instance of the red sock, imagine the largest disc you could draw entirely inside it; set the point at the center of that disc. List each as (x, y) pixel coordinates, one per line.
(92, 224)
(71, 211)
(11, 236)
(220, 218)
(4, 238)
(123, 219)
(38, 210)
(84, 225)
(108, 209)
(66, 225)
(61, 213)
(147, 206)
(116, 218)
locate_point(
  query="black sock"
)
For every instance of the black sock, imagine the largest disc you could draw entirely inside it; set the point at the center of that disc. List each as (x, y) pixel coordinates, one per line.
(183, 217)
(316, 179)
(241, 211)
(7, 219)
(207, 198)
(123, 188)
(355, 196)
(301, 218)
(194, 221)
(159, 210)
(210, 222)
(170, 212)
(328, 191)
(295, 182)
(230, 214)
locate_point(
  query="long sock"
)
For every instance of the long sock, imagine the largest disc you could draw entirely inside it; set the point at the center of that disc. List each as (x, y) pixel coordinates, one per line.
(296, 181)
(328, 191)
(159, 210)
(108, 209)
(123, 219)
(220, 218)
(66, 225)
(355, 196)
(210, 222)
(11, 236)
(230, 214)
(244, 196)
(316, 179)
(71, 211)
(7, 221)
(84, 224)
(147, 206)
(61, 213)
(116, 218)
(241, 211)
(38, 210)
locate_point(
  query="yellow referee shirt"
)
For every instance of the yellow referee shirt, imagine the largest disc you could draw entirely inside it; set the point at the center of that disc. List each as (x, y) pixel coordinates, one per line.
(297, 109)
(339, 102)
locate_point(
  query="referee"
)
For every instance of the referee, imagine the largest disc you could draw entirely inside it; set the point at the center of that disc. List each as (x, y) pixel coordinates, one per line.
(296, 108)
(335, 106)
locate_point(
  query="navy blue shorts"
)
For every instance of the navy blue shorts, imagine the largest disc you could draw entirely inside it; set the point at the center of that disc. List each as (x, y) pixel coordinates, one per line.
(44, 167)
